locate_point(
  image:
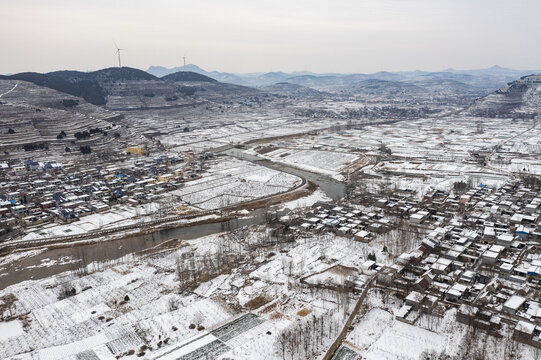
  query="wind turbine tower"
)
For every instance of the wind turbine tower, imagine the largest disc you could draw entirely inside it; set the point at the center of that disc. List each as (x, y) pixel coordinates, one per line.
(184, 58)
(118, 50)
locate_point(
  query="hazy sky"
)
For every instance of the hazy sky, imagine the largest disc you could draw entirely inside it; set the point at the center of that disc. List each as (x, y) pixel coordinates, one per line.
(275, 35)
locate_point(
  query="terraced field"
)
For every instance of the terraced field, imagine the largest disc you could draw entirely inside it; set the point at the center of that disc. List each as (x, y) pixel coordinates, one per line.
(38, 115)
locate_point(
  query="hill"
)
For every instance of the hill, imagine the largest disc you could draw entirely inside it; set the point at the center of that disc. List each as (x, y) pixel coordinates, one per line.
(188, 76)
(161, 71)
(519, 98)
(42, 118)
(202, 86)
(293, 90)
(478, 82)
(114, 88)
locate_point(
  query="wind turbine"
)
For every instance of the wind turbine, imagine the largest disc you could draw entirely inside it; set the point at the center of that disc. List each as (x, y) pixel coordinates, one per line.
(118, 50)
(184, 58)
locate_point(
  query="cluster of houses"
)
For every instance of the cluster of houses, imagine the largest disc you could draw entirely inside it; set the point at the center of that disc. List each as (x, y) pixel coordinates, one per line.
(481, 254)
(346, 221)
(33, 193)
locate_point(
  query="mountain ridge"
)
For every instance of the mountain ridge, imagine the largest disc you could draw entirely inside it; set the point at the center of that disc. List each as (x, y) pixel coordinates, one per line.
(488, 79)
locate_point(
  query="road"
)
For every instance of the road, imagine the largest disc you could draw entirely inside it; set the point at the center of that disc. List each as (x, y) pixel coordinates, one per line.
(7, 92)
(345, 330)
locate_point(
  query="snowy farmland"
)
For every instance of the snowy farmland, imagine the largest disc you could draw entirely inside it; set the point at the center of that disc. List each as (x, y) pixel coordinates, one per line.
(231, 181)
(318, 161)
(418, 155)
(140, 305)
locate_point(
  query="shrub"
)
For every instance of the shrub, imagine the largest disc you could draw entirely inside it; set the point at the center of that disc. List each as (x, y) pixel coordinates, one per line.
(70, 102)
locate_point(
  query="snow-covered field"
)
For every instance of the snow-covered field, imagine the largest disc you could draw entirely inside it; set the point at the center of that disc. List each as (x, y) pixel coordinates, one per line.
(140, 304)
(319, 161)
(230, 181)
(251, 128)
(118, 215)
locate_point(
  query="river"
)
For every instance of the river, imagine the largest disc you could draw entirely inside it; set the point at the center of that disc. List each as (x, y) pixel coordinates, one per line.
(55, 261)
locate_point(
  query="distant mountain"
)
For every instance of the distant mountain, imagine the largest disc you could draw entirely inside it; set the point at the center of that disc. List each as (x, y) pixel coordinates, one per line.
(519, 98)
(188, 76)
(330, 83)
(484, 80)
(444, 85)
(161, 71)
(114, 88)
(494, 71)
(379, 87)
(293, 90)
(207, 88)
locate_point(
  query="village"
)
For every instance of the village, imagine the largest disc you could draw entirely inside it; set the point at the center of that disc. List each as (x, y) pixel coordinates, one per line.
(36, 193)
(336, 228)
(479, 253)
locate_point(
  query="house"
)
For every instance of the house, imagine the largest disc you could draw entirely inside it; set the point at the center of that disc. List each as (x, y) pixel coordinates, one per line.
(514, 304)
(419, 216)
(538, 316)
(344, 230)
(468, 276)
(523, 331)
(362, 235)
(332, 222)
(505, 240)
(67, 214)
(47, 204)
(489, 234)
(166, 177)
(19, 210)
(307, 226)
(415, 299)
(441, 265)
(134, 150)
(368, 265)
(456, 292)
(98, 206)
(464, 199)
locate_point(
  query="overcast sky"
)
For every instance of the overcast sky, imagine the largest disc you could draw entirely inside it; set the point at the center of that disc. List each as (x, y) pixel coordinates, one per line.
(276, 35)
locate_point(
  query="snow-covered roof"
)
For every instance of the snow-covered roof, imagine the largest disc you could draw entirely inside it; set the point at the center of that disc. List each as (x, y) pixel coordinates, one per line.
(525, 327)
(514, 302)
